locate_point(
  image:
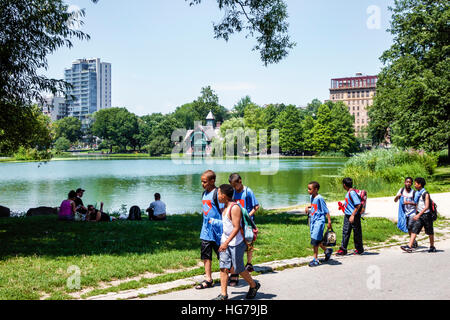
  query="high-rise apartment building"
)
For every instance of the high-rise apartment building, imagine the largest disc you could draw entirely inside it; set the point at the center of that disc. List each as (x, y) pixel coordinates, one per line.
(55, 107)
(91, 92)
(357, 93)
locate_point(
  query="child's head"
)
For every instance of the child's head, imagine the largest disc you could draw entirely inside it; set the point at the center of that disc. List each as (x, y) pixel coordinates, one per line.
(208, 179)
(225, 193)
(408, 182)
(90, 208)
(347, 183)
(72, 195)
(313, 187)
(157, 196)
(419, 183)
(235, 181)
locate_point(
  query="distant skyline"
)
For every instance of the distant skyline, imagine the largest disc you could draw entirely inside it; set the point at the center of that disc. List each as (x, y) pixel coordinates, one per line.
(163, 52)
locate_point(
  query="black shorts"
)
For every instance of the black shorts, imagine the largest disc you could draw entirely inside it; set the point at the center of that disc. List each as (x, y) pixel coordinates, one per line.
(425, 221)
(207, 248)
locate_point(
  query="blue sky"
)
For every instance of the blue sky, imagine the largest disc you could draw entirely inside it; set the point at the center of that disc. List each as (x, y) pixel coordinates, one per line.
(164, 52)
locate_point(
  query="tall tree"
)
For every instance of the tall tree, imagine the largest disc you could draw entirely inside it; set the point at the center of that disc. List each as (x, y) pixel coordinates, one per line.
(289, 124)
(265, 18)
(413, 91)
(69, 128)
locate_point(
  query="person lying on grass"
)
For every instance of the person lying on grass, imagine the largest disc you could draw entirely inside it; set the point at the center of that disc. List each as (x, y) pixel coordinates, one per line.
(95, 215)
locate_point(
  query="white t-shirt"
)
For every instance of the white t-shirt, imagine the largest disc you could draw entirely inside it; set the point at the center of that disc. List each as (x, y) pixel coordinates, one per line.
(158, 207)
(408, 196)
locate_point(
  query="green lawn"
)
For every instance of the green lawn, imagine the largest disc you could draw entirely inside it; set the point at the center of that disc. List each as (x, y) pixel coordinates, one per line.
(36, 252)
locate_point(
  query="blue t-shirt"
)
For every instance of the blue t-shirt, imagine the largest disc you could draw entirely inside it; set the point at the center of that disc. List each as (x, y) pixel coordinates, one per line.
(350, 204)
(319, 208)
(246, 198)
(210, 211)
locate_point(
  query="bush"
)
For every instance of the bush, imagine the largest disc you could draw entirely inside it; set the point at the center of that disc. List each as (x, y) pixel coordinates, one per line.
(385, 169)
(62, 144)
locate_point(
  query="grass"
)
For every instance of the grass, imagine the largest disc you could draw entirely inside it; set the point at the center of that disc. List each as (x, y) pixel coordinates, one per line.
(36, 252)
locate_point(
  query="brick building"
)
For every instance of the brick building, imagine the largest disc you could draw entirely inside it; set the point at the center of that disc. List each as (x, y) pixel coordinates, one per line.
(357, 93)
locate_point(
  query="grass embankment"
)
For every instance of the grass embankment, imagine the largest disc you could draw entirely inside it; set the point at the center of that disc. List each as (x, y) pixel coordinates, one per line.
(382, 172)
(36, 252)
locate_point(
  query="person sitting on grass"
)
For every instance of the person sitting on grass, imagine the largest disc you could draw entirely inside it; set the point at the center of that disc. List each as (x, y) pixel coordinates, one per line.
(408, 205)
(423, 218)
(232, 246)
(94, 215)
(68, 208)
(317, 211)
(157, 209)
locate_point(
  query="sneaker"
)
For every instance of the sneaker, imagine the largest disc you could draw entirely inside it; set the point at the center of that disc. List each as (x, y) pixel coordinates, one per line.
(249, 267)
(221, 297)
(341, 252)
(252, 291)
(358, 252)
(415, 245)
(328, 254)
(406, 249)
(314, 263)
(432, 249)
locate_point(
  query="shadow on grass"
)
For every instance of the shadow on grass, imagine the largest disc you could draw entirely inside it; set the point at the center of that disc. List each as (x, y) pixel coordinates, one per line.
(46, 236)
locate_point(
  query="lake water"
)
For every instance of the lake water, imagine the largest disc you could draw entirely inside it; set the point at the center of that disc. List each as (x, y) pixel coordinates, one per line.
(133, 182)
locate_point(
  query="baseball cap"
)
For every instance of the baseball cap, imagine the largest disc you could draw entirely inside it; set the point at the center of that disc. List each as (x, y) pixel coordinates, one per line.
(80, 190)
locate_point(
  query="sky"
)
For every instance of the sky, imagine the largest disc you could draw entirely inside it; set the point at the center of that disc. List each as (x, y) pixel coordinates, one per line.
(163, 51)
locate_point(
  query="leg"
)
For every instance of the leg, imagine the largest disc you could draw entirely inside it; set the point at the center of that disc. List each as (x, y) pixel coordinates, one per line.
(357, 234)
(432, 240)
(316, 252)
(224, 281)
(346, 232)
(412, 239)
(208, 273)
(248, 278)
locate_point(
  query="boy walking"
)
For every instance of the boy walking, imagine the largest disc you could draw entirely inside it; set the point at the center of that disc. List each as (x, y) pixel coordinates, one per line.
(317, 211)
(352, 220)
(406, 196)
(423, 218)
(246, 198)
(232, 246)
(210, 240)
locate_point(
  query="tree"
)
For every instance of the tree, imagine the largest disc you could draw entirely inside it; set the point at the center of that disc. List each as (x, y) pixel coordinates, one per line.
(117, 126)
(69, 128)
(413, 91)
(289, 124)
(24, 127)
(239, 108)
(159, 145)
(62, 144)
(313, 108)
(265, 18)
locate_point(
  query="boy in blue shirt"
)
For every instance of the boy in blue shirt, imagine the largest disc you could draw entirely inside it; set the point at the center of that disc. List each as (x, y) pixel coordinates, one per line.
(317, 211)
(246, 198)
(210, 239)
(352, 220)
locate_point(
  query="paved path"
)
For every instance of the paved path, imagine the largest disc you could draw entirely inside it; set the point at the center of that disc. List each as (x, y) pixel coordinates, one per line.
(388, 274)
(385, 207)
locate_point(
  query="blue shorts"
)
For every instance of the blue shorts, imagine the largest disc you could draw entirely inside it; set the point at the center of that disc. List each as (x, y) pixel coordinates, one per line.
(316, 229)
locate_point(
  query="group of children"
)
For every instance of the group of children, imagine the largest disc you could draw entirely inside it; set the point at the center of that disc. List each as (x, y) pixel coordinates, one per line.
(222, 225)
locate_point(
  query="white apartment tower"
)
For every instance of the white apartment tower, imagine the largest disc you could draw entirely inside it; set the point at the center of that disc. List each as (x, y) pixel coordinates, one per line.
(91, 87)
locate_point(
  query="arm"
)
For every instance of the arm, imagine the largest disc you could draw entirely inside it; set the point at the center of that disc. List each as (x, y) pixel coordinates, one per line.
(427, 205)
(236, 216)
(329, 220)
(74, 208)
(255, 208)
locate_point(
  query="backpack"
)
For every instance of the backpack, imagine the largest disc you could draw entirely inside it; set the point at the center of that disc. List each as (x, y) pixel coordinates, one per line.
(135, 213)
(329, 238)
(362, 194)
(248, 227)
(432, 208)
